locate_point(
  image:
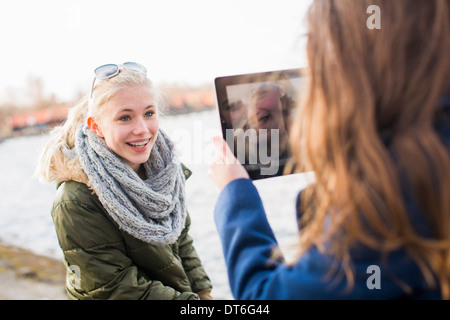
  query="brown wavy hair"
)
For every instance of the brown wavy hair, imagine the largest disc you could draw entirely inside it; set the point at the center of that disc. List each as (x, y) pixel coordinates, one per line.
(365, 127)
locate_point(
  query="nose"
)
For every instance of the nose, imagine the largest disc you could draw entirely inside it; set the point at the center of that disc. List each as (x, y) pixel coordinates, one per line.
(140, 127)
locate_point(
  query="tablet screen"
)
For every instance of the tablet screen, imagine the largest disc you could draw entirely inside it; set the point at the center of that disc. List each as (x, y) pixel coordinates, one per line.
(255, 113)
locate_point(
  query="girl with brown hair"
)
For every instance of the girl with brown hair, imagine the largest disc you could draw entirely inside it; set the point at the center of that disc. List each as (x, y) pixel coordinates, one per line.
(374, 126)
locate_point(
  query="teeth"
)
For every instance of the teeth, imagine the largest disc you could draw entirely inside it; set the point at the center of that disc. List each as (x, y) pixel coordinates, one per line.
(139, 145)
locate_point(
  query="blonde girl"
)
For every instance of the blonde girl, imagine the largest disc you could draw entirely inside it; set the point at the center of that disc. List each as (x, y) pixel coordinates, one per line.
(120, 211)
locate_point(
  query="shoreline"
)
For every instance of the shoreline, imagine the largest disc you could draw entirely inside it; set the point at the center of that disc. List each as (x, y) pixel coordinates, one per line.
(25, 275)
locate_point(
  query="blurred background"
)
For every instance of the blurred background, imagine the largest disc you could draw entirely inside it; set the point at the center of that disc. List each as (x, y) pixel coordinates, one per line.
(49, 51)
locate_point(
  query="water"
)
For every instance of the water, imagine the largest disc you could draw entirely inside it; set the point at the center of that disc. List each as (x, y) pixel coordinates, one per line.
(25, 203)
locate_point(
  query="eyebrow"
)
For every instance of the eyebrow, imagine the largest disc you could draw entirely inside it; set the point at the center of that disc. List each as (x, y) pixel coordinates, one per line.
(132, 110)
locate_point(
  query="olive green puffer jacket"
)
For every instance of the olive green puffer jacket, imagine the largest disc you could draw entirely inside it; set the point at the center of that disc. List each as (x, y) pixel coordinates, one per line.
(107, 263)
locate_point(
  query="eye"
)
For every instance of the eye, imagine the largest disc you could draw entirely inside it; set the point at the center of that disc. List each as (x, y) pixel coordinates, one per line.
(125, 118)
(264, 119)
(149, 113)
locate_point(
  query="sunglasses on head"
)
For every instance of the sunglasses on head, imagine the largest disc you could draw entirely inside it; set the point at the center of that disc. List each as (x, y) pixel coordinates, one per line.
(108, 71)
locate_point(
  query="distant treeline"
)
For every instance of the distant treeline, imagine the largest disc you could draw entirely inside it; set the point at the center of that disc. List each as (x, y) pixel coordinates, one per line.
(43, 115)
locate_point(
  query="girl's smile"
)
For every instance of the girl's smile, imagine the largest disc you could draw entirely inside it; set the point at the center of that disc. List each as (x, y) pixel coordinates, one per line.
(139, 145)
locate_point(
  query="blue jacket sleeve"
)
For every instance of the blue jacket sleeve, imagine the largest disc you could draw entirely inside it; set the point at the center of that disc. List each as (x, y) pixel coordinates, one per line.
(248, 243)
(247, 238)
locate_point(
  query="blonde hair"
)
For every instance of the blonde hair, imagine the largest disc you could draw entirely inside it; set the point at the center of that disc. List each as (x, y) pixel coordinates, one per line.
(55, 163)
(365, 127)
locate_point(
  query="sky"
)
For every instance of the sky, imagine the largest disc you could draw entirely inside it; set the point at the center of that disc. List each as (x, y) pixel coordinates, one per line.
(178, 41)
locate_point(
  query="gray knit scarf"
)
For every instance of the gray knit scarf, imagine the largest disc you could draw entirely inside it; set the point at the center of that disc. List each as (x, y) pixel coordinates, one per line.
(152, 210)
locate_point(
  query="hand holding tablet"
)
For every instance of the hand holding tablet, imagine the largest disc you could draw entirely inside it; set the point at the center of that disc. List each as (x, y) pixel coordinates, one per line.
(225, 167)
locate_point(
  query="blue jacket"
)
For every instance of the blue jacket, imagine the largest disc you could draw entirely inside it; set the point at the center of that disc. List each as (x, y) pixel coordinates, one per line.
(248, 240)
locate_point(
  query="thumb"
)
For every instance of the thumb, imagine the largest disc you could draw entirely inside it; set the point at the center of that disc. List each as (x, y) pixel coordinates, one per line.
(224, 153)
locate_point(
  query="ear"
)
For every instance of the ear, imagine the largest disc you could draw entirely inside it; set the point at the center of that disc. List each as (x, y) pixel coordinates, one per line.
(95, 128)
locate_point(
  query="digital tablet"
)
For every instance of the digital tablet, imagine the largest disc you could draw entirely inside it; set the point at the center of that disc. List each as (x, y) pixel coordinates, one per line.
(255, 113)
